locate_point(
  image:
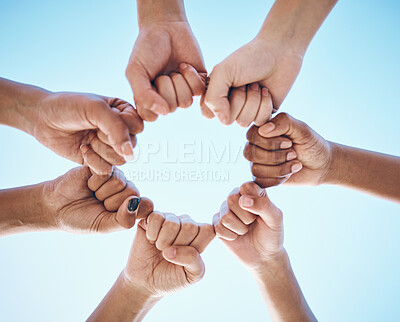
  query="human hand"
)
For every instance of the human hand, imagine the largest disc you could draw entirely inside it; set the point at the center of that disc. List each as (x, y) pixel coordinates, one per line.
(270, 64)
(65, 121)
(82, 202)
(165, 255)
(287, 150)
(251, 226)
(166, 68)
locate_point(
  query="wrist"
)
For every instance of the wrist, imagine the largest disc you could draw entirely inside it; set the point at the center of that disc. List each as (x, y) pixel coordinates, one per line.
(293, 23)
(270, 265)
(137, 289)
(332, 175)
(156, 11)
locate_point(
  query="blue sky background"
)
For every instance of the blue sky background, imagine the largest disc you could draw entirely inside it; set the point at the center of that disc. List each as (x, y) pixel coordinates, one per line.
(343, 245)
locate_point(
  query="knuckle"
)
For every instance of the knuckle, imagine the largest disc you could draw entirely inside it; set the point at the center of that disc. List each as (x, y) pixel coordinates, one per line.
(190, 228)
(209, 230)
(248, 151)
(171, 225)
(156, 217)
(225, 219)
(232, 200)
(252, 133)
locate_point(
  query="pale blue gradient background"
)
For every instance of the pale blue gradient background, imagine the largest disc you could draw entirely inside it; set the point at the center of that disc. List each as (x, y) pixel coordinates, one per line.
(344, 246)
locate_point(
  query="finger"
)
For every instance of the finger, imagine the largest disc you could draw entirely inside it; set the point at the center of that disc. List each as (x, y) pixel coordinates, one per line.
(233, 203)
(257, 155)
(154, 223)
(127, 212)
(183, 93)
(128, 114)
(188, 232)
(112, 203)
(262, 206)
(169, 231)
(145, 96)
(270, 182)
(146, 207)
(195, 80)
(275, 171)
(107, 222)
(113, 126)
(250, 108)
(105, 151)
(229, 220)
(265, 110)
(270, 144)
(216, 98)
(166, 89)
(146, 115)
(96, 163)
(221, 231)
(205, 111)
(237, 99)
(284, 124)
(204, 237)
(189, 258)
(116, 184)
(96, 181)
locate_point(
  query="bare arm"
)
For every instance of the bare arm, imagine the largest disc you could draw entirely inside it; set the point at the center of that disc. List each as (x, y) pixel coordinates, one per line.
(281, 291)
(371, 172)
(251, 226)
(22, 210)
(316, 161)
(124, 303)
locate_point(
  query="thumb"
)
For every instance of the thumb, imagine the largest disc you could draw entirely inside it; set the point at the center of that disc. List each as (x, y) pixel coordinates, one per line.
(216, 97)
(145, 96)
(113, 126)
(261, 205)
(189, 258)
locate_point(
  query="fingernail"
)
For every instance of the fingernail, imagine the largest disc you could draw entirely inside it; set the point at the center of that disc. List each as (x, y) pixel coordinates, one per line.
(267, 128)
(291, 156)
(286, 144)
(170, 252)
(296, 167)
(127, 149)
(133, 204)
(184, 66)
(254, 86)
(159, 109)
(246, 201)
(84, 148)
(265, 91)
(223, 118)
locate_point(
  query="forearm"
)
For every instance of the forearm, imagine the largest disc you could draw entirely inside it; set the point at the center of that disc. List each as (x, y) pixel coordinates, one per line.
(293, 23)
(151, 11)
(371, 172)
(124, 303)
(281, 292)
(22, 210)
(18, 103)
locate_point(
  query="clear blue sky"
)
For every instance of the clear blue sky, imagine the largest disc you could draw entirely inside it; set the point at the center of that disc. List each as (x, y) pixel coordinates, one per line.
(344, 246)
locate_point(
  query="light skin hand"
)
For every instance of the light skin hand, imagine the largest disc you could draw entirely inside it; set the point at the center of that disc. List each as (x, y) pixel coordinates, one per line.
(164, 259)
(272, 59)
(166, 67)
(77, 202)
(82, 202)
(286, 150)
(255, 236)
(251, 227)
(63, 121)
